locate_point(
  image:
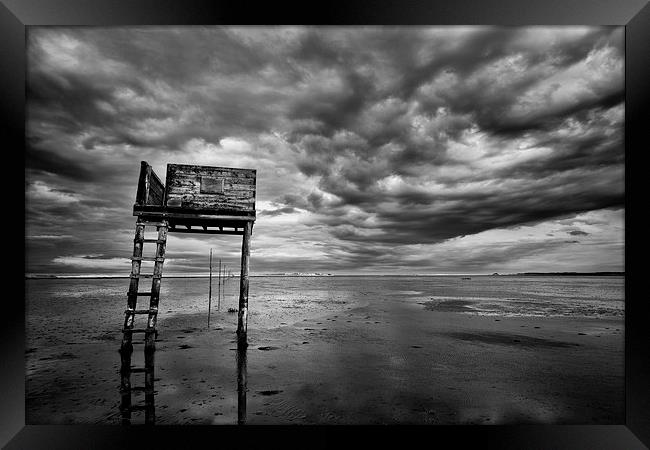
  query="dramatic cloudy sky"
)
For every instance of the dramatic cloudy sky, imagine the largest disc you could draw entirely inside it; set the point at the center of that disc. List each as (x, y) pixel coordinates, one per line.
(378, 150)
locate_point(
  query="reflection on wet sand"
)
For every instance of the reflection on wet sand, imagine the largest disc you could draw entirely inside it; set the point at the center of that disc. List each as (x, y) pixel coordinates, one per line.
(241, 382)
(127, 389)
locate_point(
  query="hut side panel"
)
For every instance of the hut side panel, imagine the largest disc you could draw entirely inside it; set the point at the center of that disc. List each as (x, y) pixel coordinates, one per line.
(203, 188)
(151, 191)
(156, 191)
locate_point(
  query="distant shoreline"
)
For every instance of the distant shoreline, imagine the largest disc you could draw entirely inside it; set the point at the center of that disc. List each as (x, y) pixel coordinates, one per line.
(565, 274)
(525, 274)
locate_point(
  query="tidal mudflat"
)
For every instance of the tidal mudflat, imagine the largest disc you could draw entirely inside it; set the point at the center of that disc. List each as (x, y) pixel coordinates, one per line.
(339, 350)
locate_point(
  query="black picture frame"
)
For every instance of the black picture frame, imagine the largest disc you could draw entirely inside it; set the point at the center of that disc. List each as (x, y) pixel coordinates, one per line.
(15, 15)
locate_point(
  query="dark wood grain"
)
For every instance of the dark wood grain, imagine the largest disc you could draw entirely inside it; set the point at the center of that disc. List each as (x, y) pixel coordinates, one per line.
(151, 190)
(198, 188)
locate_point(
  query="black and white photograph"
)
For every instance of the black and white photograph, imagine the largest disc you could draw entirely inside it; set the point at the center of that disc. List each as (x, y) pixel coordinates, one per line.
(336, 225)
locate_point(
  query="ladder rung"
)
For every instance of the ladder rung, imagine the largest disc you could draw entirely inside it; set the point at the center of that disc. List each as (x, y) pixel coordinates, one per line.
(147, 275)
(147, 223)
(139, 330)
(151, 241)
(141, 311)
(140, 369)
(147, 258)
(139, 294)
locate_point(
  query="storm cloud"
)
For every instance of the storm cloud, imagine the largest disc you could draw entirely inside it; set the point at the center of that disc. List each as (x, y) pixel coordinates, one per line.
(377, 149)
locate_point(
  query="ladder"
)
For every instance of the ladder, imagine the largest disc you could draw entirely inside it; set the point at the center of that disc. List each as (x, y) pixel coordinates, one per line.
(149, 331)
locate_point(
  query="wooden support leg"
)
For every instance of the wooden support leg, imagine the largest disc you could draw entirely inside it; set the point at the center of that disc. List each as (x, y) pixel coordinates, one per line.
(242, 322)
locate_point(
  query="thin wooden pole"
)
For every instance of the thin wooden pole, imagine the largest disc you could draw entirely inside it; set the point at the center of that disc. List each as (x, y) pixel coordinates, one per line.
(242, 322)
(219, 284)
(223, 282)
(210, 290)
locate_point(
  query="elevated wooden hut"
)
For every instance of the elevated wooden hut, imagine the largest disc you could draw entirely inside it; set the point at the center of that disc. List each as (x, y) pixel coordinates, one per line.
(196, 199)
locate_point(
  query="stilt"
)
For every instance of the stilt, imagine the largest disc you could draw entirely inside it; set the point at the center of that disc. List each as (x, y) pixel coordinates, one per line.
(242, 320)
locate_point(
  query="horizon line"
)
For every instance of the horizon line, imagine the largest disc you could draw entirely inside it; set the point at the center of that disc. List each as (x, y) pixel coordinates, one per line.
(324, 275)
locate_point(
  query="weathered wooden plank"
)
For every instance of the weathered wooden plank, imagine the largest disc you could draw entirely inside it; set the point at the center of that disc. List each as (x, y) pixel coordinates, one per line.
(233, 197)
(203, 201)
(170, 211)
(192, 193)
(192, 180)
(201, 215)
(143, 275)
(203, 170)
(199, 205)
(213, 188)
(194, 188)
(194, 185)
(140, 311)
(181, 230)
(151, 222)
(200, 170)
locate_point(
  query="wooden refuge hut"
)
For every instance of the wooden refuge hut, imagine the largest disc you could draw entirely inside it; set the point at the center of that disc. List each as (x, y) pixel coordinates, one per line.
(196, 199)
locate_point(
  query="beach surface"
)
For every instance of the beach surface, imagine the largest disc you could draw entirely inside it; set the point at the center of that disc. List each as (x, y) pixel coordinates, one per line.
(403, 358)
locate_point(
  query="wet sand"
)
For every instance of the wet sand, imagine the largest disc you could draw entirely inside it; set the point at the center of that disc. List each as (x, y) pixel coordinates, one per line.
(384, 363)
